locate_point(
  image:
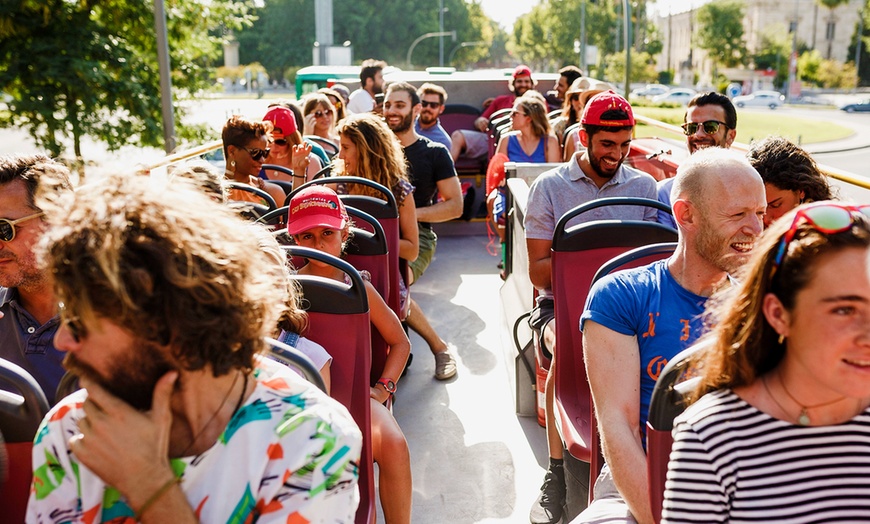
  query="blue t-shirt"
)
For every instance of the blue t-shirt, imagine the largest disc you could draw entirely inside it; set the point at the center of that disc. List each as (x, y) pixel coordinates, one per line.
(663, 194)
(435, 133)
(648, 303)
(516, 154)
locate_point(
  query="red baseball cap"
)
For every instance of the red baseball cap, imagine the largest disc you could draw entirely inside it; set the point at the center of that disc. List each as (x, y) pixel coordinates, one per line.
(283, 121)
(315, 206)
(602, 103)
(522, 70)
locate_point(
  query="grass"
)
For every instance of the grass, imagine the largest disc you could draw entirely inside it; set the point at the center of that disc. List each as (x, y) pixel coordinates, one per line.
(752, 126)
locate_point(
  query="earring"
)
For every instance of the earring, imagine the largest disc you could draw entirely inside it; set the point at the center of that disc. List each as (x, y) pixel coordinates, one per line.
(781, 339)
(232, 163)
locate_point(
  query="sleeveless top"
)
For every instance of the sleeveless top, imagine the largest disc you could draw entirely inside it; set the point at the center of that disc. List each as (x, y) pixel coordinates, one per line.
(516, 153)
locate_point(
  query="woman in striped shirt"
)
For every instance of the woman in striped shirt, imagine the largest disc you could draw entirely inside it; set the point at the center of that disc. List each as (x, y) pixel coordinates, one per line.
(782, 433)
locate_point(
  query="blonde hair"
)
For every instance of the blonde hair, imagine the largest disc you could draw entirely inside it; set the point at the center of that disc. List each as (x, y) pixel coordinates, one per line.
(537, 112)
(380, 155)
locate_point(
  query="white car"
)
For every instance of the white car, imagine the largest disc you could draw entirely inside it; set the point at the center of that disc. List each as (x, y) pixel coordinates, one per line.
(650, 90)
(676, 96)
(771, 99)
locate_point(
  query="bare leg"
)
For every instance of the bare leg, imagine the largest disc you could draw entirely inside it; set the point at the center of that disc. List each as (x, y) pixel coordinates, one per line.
(390, 451)
(554, 440)
(420, 324)
(458, 144)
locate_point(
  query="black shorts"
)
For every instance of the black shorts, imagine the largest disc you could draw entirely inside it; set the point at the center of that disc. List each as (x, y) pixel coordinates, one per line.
(543, 313)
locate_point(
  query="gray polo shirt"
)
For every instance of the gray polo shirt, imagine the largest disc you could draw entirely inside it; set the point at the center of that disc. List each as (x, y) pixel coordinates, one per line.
(26, 342)
(565, 187)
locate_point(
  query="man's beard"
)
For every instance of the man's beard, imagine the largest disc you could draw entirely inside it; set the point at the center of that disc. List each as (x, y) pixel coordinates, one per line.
(404, 124)
(132, 377)
(425, 120)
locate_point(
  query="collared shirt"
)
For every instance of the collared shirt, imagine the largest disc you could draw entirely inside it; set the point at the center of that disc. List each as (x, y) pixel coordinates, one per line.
(435, 133)
(29, 344)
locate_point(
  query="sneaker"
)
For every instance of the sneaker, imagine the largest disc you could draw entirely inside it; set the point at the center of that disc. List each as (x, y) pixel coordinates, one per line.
(445, 365)
(549, 506)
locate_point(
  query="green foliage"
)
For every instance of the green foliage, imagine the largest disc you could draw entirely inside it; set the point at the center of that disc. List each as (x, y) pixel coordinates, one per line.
(666, 77)
(774, 52)
(809, 64)
(89, 68)
(642, 70)
(720, 32)
(834, 74)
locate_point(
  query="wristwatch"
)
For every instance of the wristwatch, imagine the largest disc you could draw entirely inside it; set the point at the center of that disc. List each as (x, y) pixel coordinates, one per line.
(389, 385)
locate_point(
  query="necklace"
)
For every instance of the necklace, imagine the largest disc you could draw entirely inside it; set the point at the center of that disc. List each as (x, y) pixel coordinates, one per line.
(804, 417)
(218, 410)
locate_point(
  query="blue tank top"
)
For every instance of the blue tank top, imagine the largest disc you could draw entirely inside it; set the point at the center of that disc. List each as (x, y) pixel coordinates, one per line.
(516, 154)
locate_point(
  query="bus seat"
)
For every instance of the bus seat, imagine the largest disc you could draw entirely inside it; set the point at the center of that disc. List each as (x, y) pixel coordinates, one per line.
(21, 412)
(367, 250)
(458, 116)
(330, 147)
(250, 209)
(578, 253)
(293, 358)
(338, 320)
(386, 211)
(667, 401)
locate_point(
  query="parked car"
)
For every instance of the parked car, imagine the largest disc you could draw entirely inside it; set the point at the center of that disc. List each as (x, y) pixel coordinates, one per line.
(857, 107)
(771, 99)
(650, 90)
(676, 96)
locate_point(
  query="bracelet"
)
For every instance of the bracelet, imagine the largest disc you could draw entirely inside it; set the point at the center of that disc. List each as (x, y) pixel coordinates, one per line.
(294, 175)
(157, 494)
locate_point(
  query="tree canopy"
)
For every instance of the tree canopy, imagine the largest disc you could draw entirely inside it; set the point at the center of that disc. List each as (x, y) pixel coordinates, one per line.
(720, 32)
(89, 68)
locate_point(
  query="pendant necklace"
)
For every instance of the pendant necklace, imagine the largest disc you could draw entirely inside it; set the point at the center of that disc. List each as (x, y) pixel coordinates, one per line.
(804, 417)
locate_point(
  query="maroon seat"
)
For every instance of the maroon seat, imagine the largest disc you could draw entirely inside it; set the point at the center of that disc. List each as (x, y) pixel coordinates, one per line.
(666, 402)
(577, 254)
(458, 116)
(338, 320)
(21, 413)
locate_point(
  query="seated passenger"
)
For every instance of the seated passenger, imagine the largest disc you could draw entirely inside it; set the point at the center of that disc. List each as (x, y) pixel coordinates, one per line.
(432, 100)
(319, 116)
(371, 82)
(571, 110)
(710, 121)
(475, 144)
(572, 140)
(791, 176)
(567, 76)
(636, 320)
(317, 220)
(246, 146)
(781, 432)
(166, 301)
(287, 149)
(337, 101)
(28, 307)
(597, 172)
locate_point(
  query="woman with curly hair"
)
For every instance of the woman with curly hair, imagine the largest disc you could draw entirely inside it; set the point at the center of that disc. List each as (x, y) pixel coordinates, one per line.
(791, 176)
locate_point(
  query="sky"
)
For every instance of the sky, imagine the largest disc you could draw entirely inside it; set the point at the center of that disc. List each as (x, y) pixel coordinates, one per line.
(505, 12)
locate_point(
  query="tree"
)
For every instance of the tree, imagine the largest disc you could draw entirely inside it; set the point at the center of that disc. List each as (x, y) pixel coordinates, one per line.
(720, 32)
(829, 34)
(89, 67)
(774, 52)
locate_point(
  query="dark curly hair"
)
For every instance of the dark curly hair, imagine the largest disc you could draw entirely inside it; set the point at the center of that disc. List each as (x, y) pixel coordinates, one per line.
(788, 167)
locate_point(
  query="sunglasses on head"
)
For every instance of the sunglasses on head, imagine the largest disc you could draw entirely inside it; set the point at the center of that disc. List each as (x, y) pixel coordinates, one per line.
(433, 105)
(7, 227)
(710, 127)
(257, 153)
(825, 217)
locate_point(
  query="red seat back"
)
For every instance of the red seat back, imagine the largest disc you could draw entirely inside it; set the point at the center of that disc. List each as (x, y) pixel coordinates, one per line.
(458, 116)
(20, 415)
(578, 253)
(338, 317)
(667, 401)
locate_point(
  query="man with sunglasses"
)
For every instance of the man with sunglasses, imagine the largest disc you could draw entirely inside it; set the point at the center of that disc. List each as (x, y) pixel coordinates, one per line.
(28, 308)
(432, 100)
(635, 321)
(710, 121)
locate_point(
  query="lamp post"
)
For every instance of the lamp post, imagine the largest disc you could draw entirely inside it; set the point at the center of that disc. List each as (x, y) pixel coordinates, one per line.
(626, 8)
(425, 36)
(441, 11)
(165, 79)
(464, 44)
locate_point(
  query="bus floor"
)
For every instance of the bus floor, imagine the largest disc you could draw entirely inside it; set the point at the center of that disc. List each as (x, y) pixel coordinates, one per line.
(473, 458)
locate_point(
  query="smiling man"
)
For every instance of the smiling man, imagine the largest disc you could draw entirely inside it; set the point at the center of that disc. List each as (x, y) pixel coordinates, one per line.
(636, 320)
(28, 309)
(432, 100)
(597, 172)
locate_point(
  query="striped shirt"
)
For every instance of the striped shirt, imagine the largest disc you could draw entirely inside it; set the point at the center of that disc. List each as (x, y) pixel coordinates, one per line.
(733, 463)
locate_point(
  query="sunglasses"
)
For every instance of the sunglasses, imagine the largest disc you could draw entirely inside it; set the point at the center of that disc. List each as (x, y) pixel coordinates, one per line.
(7, 227)
(257, 153)
(318, 114)
(279, 142)
(515, 112)
(710, 127)
(825, 217)
(433, 105)
(73, 324)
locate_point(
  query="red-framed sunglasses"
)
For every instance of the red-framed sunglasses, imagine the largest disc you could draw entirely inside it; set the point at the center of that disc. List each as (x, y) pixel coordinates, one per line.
(824, 217)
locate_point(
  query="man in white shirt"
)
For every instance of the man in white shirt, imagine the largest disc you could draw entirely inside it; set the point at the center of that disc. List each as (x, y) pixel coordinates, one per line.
(371, 82)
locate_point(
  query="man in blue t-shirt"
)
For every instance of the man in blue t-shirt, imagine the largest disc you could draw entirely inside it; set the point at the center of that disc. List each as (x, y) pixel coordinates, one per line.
(432, 100)
(636, 320)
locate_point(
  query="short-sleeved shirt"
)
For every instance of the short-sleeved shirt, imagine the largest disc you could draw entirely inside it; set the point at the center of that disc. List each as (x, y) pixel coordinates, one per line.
(649, 304)
(663, 194)
(29, 344)
(360, 101)
(435, 133)
(499, 103)
(289, 454)
(428, 163)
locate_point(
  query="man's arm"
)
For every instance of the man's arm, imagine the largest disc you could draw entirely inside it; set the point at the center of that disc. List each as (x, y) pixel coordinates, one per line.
(450, 206)
(539, 262)
(613, 368)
